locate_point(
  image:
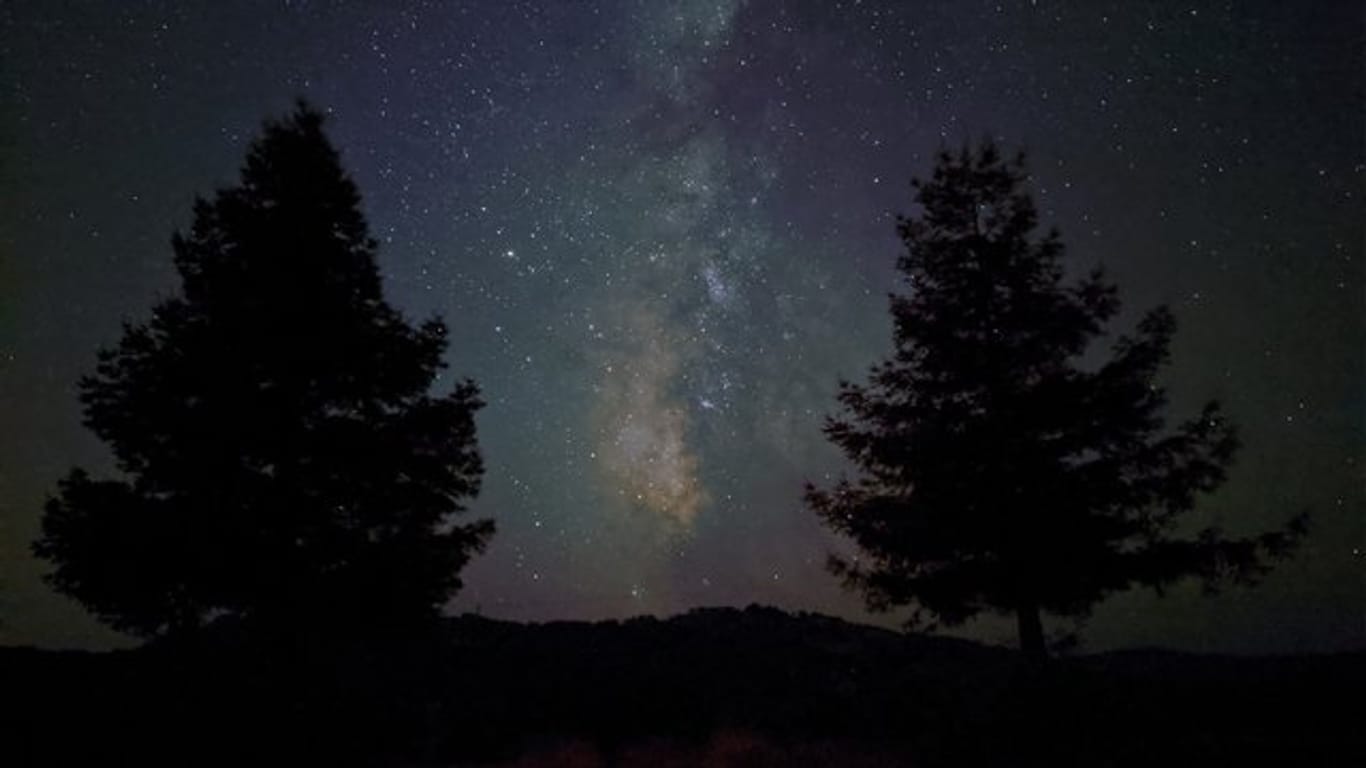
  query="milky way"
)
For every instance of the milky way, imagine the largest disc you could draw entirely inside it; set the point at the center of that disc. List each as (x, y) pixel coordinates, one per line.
(662, 231)
(644, 435)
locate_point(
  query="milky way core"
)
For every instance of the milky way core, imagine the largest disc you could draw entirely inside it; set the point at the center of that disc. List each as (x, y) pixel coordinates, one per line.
(642, 425)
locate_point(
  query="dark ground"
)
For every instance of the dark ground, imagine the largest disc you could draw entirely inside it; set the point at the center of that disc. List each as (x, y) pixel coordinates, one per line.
(756, 687)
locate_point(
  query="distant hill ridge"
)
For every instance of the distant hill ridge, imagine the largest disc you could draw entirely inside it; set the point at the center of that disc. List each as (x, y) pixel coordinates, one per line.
(491, 690)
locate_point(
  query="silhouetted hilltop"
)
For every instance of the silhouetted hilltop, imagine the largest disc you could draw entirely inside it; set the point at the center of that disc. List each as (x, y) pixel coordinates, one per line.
(716, 686)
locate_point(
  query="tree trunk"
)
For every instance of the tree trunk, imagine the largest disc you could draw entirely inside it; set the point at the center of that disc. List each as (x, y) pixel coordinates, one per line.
(1031, 632)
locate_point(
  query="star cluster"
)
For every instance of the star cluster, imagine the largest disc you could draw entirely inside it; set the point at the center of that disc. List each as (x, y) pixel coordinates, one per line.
(662, 230)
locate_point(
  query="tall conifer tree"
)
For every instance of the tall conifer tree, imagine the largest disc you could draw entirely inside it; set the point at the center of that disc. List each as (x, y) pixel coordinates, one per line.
(997, 469)
(281, 454)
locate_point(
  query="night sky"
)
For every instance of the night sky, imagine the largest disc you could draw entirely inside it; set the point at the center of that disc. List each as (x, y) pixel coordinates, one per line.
(662, 230)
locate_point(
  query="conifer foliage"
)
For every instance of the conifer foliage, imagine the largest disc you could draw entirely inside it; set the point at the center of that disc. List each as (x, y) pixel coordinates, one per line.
(998, 471)
(281, 455)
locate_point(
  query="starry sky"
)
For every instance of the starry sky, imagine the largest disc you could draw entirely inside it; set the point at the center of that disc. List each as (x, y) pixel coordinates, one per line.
(662, 230)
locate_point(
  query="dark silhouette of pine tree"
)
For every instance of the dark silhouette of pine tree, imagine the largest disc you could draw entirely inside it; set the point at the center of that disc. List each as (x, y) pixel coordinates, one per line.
(997, 470)
(282, 459)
